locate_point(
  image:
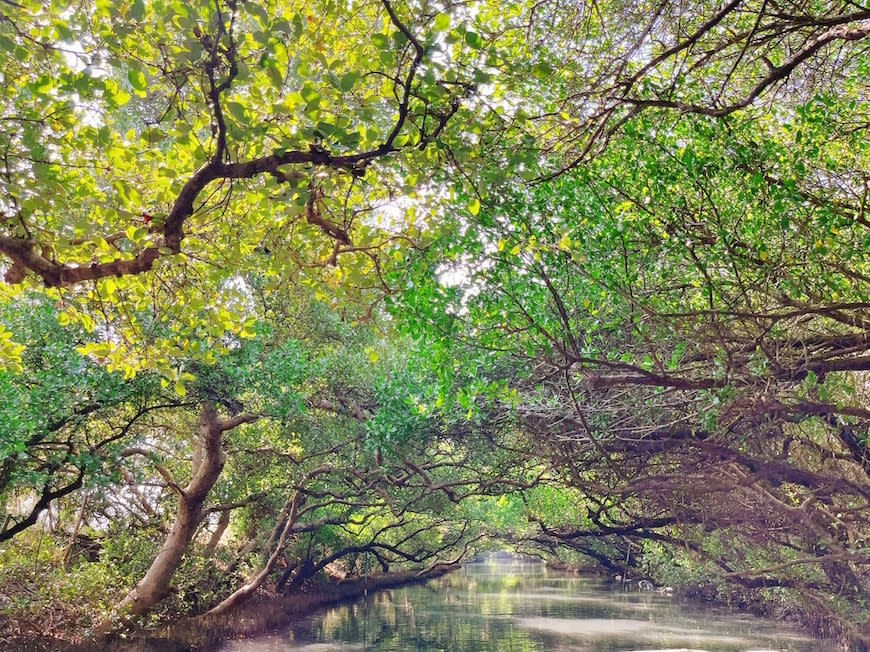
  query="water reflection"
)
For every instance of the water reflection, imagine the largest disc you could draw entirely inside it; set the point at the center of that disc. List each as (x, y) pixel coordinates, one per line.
(514, 606)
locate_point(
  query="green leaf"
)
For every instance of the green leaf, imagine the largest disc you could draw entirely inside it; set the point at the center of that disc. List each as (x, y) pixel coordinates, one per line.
(442, 22)
(309, 93)
(473, 39)
(258, 12)
(44, 84)
(237, 110)
(137, 10)
(275, 76)
(348, 80)
(137, 79)
(153, 135)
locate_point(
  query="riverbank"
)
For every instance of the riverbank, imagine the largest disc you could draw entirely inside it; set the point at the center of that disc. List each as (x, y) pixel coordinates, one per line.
(260, 614)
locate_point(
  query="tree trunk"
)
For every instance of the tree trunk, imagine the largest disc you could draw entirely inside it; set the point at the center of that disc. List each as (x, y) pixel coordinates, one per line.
(244, 592)
(209, 462)
(222, 525)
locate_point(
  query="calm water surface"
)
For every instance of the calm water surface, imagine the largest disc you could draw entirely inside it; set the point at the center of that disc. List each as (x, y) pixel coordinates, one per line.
(523, 607)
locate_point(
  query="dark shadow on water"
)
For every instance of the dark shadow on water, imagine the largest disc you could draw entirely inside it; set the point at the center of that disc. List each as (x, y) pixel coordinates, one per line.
(258, 617)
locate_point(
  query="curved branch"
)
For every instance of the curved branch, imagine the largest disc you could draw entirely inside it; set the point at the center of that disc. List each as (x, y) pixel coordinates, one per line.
(22, 251)
(777, 73)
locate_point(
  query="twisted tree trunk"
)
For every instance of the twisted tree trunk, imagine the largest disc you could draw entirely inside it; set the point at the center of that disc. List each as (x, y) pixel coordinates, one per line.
(207, 466)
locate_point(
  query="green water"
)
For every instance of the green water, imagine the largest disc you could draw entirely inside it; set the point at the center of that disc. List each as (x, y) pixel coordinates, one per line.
(512, 606)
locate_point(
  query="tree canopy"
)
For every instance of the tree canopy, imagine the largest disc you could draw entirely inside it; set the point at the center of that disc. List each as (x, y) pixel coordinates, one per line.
(296, 288)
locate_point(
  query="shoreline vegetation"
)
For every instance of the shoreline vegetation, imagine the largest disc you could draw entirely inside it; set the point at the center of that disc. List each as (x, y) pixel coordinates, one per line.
(259, 615)
(300, 288)
(267, 612)
(818, 625)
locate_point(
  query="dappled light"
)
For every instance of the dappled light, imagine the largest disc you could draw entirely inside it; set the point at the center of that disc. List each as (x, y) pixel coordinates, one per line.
(306, 300)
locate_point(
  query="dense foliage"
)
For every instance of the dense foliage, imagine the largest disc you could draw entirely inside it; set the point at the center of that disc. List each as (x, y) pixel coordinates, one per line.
(309, 289)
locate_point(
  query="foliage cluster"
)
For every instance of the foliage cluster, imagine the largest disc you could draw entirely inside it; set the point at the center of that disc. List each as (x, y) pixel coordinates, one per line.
(306, 286)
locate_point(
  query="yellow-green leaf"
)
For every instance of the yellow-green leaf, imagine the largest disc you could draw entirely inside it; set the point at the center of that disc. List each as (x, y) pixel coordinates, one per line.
(137, 79)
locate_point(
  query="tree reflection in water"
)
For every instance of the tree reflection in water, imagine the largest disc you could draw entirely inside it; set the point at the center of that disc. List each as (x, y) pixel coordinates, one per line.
(515, 606)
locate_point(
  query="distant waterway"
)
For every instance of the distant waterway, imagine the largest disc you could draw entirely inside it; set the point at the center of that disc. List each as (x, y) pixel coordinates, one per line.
(510, 605)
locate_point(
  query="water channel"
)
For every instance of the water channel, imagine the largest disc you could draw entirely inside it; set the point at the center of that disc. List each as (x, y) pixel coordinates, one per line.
(515, 606)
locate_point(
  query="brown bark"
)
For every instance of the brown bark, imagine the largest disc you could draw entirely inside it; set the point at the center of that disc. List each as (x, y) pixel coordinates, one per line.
(22, 251)
(155, 585)
(283, 528)
(245, 591)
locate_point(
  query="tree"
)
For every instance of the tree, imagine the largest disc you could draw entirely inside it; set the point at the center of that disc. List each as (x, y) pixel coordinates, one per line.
(549, 195)
(678, 314)
(218, 137)
(64, 417)
(208, 464)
